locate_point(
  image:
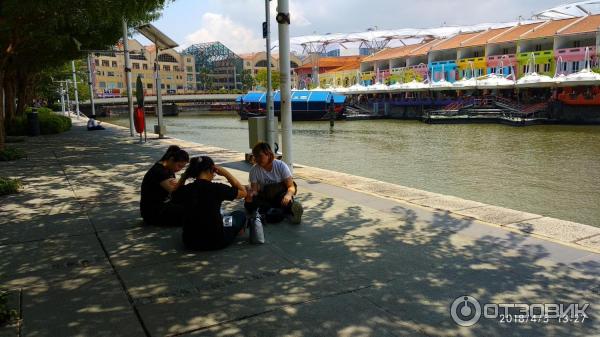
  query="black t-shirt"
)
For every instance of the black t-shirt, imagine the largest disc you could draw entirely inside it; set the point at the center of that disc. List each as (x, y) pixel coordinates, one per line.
(154, 195)
(203, 223)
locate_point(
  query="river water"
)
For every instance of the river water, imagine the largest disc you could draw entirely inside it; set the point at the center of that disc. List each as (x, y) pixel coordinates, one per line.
(553, 170)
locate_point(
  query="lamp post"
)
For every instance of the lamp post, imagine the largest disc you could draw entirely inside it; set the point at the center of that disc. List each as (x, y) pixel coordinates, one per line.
(91, 84)
(270, 108)
(75, 89)
(283, 20)
(128, 76)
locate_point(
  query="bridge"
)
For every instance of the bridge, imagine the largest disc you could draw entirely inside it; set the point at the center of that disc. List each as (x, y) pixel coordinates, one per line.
(197, 98)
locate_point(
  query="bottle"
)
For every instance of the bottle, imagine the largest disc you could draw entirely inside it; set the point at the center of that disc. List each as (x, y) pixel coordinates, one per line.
(257, 234)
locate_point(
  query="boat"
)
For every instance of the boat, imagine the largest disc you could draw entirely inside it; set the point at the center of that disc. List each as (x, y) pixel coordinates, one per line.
(307, 105)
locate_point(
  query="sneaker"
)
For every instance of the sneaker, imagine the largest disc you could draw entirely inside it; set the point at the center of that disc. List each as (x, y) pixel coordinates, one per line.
(297, 211)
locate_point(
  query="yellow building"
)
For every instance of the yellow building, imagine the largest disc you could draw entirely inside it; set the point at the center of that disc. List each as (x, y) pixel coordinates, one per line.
(257, 61)
(177, 71)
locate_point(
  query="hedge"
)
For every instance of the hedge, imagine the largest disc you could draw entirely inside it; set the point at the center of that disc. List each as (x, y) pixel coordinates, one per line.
(50, 123)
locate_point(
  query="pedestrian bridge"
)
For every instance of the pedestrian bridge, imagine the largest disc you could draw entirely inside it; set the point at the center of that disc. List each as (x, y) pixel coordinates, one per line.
(208, 98)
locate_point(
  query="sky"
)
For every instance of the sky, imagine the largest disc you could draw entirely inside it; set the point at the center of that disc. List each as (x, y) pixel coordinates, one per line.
(237, 23)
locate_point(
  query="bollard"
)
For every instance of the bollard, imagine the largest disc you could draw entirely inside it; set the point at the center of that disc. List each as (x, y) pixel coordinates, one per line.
(33, 123)
(331, 114)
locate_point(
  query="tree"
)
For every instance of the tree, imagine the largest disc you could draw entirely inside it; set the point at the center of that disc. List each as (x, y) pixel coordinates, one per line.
(36, 36)
(247, 80)
(261, 78)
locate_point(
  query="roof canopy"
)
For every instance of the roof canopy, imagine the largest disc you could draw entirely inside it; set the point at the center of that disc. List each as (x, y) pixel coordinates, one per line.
(575, 9)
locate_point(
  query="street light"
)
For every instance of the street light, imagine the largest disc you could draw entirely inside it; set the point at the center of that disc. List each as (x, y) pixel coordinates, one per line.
(161, 41)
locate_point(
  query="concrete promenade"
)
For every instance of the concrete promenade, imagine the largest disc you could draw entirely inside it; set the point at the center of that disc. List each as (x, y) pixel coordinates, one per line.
(369, 259)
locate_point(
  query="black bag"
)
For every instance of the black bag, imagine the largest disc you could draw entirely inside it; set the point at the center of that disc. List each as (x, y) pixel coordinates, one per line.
(274, 215)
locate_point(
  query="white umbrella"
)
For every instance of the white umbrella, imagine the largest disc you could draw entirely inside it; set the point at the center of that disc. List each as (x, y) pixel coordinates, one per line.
(465, 83)
(493, 81)
(441, 85)
(584, 77)
(535, 80)
(378, 87)
(415, 86)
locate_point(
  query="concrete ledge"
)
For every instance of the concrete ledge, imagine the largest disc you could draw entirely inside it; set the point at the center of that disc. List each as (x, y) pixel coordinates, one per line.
(554, 228)
(567, 232)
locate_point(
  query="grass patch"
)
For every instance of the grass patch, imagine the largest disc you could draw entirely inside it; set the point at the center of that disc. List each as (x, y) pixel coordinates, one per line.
(6, 314)
(11, 153)
(9, 186)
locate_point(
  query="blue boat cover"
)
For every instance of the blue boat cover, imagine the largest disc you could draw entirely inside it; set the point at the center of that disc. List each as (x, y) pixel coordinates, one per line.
(298, 96)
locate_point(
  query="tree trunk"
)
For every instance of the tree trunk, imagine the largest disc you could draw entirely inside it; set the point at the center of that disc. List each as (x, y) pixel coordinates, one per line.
(9, 93)
(2, 125)
(23, 92)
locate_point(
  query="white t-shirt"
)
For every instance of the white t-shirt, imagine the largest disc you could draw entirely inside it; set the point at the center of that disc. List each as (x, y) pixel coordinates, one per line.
(92, 123)
(278, 173)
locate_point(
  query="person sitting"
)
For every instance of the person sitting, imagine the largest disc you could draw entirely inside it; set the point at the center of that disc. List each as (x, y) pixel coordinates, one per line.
(93, 124)
(272, 185)
(204, 226)
(159, 182)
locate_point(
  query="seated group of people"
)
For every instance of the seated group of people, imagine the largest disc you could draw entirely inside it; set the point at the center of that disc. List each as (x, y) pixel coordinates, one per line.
(167, 201)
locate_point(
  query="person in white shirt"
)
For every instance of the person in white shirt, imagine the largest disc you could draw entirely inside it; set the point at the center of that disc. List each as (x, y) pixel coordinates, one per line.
(93, 124)
(271, 185)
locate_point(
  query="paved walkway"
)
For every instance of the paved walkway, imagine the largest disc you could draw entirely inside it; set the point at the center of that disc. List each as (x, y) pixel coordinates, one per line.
(79, 264)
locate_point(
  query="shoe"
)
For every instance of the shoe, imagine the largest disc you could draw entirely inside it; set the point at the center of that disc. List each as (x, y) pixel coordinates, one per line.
(297, 211)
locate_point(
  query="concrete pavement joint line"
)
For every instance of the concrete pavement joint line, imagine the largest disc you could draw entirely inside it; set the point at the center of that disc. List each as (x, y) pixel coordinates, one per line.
(585, 238)
(116, 273)
(241, 318)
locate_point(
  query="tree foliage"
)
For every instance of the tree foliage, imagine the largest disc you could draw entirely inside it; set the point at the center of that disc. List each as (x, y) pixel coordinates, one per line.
(261, 78)
(39, 36)
(247, 80)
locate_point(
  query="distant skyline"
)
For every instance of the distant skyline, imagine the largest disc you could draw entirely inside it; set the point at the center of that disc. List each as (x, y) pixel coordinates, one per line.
(237, 23)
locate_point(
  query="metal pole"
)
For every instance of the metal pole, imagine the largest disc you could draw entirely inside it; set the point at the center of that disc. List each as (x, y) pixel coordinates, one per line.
(128, 76)
(75, 88)
(91, 85)
(283, 15)
(159, 112)
(270, 109)
(62, 98)
(68, 101)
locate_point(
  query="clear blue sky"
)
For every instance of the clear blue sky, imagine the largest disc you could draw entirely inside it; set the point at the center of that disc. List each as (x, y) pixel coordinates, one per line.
(237, 23)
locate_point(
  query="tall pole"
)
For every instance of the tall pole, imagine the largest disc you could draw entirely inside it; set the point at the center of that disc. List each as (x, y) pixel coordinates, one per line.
(283, 19)
(75, 88)
(270, 112)
(128, 76)
(159, 111)
(62, 98)
(68, 101)
(91, 85)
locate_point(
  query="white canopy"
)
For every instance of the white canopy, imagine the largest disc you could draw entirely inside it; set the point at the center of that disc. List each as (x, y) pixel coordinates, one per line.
(571, 10)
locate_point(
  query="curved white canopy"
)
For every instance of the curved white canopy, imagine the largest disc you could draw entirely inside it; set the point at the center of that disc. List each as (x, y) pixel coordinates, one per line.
(570, 10)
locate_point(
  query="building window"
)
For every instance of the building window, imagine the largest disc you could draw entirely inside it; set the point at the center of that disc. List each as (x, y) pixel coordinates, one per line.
(102, 84)
(476, 54)
(505, 51)
(175, 68)
(136, 65)
(110, 73)
(538, 47)
(149, 85)
(546, 67)
(144, 66)
(105, 63)
(97, 62)
(99, 73)
(162, 85)
(120, 85)
(189, 69)
(169, 77)
(189, 59)
(190, 77)
(114, 64)
(166, 68)
(577, 44)
(575, 67)
(166, 58)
